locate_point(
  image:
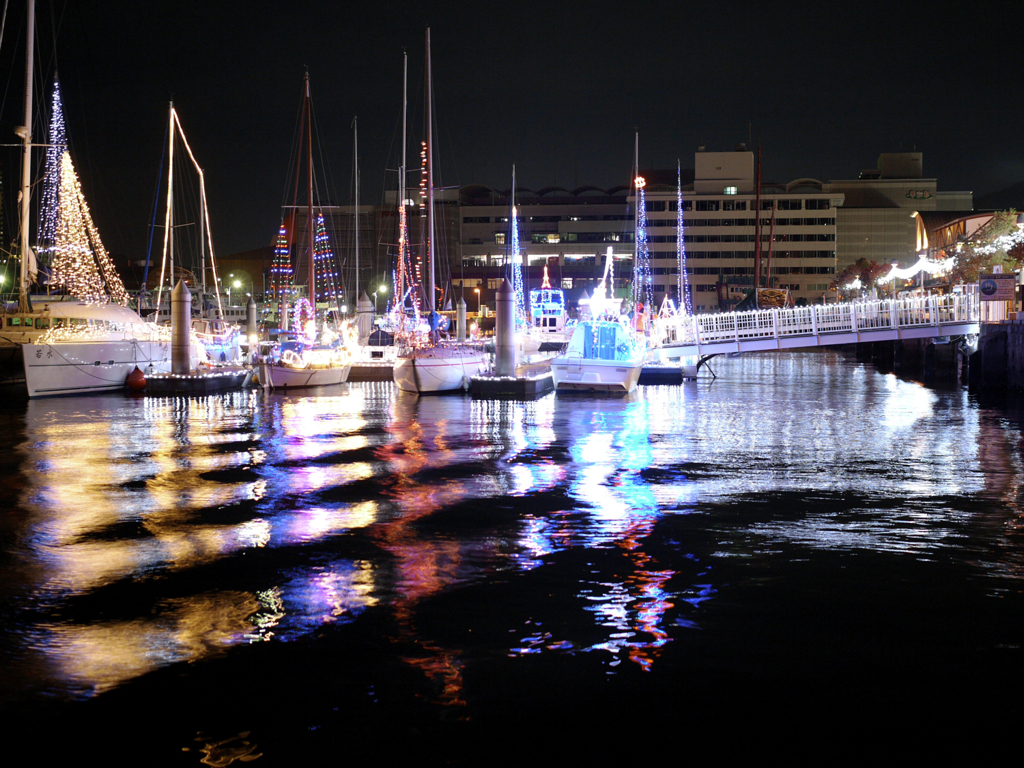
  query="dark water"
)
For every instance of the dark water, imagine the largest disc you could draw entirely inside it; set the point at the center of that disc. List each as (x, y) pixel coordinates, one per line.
(804, 555)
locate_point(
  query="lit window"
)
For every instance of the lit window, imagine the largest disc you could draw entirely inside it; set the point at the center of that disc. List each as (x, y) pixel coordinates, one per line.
(730, 190)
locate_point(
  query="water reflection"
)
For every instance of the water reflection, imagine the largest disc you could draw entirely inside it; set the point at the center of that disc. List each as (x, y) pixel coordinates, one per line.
(210, 522)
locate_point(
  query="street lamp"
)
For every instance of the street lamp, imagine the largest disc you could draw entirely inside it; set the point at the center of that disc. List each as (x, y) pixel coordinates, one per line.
(384, 290)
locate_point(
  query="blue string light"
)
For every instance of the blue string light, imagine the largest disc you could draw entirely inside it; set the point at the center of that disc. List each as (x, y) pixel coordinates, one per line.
(50, 205)
(684, 279)
(516, 269)
(643, 287)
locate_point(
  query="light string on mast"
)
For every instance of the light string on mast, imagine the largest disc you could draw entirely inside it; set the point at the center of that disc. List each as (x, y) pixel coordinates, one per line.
(684, 280)
(643, 290)
(517, 274)
(53, 175)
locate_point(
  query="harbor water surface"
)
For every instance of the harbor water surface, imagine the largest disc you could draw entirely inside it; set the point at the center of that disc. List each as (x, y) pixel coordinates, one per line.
(803, 554)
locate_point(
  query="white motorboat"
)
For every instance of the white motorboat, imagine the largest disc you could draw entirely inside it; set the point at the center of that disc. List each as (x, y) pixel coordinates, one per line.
(602, 356)
(93, 347)
(548, 324)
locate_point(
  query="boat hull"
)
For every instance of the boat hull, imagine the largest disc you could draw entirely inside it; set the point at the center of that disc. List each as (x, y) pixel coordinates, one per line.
(439, 369)
(78, 368)
(284, 377)
(594, 376)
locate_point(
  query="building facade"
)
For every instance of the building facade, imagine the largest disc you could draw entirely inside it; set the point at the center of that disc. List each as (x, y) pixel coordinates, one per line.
(877, 221)
(797, 230)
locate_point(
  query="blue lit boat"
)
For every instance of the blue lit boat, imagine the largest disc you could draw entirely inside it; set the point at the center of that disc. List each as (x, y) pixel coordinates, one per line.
(547, 316)
(602, 356)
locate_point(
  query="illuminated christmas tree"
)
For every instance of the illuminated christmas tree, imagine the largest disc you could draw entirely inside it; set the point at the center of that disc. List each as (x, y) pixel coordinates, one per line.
(281, 268)
(325, 267)
(79, 261)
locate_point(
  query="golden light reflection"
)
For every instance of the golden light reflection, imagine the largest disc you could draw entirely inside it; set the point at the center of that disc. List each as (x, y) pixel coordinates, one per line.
(99, 656)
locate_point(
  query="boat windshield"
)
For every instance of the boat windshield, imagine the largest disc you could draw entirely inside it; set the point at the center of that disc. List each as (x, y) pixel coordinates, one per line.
(602, 341)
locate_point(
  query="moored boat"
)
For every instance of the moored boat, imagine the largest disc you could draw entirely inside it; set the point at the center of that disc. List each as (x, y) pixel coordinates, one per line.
(425, 364)
(602, 356)
(93, 347)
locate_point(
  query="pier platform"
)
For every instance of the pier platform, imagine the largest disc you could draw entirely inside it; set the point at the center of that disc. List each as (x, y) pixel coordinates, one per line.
(198, 382)
(519, 387)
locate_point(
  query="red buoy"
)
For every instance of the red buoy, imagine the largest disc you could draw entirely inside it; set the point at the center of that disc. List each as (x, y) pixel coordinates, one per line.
(136, 380)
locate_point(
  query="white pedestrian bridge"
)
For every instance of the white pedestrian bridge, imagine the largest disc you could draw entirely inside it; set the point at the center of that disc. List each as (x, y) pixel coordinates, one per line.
(819, 325)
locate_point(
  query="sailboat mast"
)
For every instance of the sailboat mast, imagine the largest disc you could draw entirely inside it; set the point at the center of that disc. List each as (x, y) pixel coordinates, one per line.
(355, 165)
(402, 229)
(202, 240)
(26, 159)
(311, 282)
(431, 242)
(405, 105)
(168, 254)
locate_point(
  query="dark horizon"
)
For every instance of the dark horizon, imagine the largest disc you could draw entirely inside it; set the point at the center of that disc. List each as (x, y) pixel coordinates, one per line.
(822, 90)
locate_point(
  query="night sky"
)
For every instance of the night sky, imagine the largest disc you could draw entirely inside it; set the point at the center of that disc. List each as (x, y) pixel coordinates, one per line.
(558, 88)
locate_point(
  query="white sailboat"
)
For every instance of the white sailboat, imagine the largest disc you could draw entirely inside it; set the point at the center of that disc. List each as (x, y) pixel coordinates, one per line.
(28, 320)
(309, 361)
(220, 339)
(424, 363)
(90, 345)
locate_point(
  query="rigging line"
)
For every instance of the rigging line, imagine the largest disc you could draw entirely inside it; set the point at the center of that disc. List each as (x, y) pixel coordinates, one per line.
(293, 154)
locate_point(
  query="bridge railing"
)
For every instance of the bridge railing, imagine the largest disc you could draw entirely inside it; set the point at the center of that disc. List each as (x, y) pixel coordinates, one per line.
(817, 320)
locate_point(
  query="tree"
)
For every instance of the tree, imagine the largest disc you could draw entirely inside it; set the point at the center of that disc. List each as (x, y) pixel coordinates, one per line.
(997, 242)
(865, 270)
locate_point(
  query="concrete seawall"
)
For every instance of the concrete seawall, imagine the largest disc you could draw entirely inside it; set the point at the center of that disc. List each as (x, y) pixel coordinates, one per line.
(998, 365)
(917, 356)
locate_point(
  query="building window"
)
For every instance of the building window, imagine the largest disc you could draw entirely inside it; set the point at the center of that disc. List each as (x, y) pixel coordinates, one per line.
(708, 205)
(499, 238)
(730, 190)
(566, 282)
